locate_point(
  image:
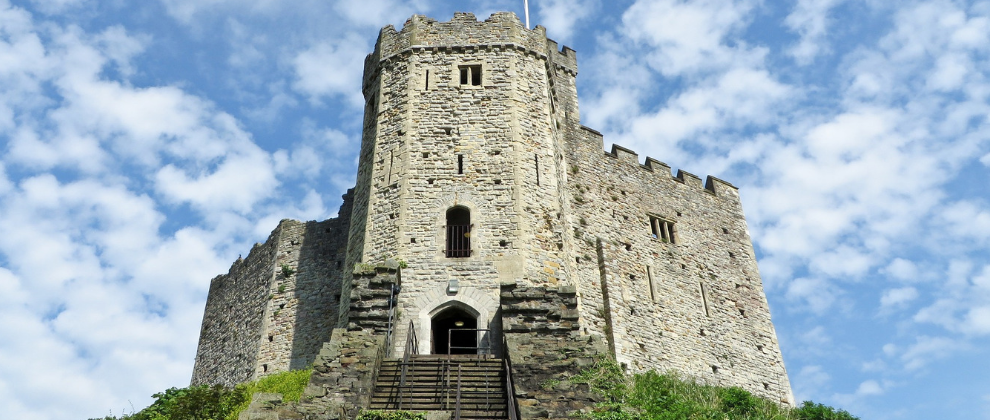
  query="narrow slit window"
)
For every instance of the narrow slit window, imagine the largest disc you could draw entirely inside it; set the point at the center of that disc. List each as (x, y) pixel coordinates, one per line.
(704, 299)
(537, 160)
(662, 229)
(649, 279)
(460, 164)
(471, 75)
(426, 83)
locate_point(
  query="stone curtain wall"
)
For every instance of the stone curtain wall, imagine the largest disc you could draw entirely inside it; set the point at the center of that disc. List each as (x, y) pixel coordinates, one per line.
(648, 297)
(232, 322)
(259, 320)
(302, 306)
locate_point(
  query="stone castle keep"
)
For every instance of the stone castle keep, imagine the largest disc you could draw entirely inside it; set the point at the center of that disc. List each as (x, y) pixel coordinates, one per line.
(487, 220)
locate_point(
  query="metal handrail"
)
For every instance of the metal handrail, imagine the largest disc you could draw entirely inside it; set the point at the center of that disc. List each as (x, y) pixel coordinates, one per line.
(509, 385)
(412, 347)
(482, 350)
(485, 350)
(457, 406)
(391, 319)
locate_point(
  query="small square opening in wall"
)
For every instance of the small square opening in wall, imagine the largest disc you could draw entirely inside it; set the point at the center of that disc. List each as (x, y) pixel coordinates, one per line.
(471, 75)
(662, 229)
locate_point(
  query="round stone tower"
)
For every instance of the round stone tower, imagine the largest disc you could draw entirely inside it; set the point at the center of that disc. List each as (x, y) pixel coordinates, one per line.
(460, 172)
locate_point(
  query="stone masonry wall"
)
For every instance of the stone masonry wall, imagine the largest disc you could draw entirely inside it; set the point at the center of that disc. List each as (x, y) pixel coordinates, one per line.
(273, 311)
(564, 261)
(696, 305)
(231, 329)
(304, 296)
(546, 349)
(343, 376)
(435, 143)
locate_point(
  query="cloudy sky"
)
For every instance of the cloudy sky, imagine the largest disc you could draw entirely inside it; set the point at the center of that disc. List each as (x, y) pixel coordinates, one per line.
(145, 145)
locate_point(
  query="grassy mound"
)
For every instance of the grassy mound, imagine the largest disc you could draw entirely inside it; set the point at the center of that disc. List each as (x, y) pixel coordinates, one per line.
(654, 396)
(218, 402)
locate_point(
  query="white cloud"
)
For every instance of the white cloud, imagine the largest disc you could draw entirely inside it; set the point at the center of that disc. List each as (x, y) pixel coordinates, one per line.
(810, 20)
(897, 297)
(374, 12)
(977, 321)
(239, 181)
(56, 6)
(869, 387)
(809, 380)
(560, 16)
(966, 219)
(689, 36)
(332, 68)
(902, 269)
(927, 349)
(816, 293)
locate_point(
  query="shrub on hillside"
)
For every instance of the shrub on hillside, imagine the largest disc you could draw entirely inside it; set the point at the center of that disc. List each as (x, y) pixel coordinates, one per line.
(218, 402)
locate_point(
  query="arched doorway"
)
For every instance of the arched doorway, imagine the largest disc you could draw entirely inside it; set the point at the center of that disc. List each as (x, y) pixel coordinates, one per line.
(462, 342)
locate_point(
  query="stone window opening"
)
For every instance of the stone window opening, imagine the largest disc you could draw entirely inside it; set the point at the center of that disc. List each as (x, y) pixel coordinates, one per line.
(704, 299)
(460, 164)
(649, 279)
(662, 229)
(471, 75)
(458, 232)
(536, 158)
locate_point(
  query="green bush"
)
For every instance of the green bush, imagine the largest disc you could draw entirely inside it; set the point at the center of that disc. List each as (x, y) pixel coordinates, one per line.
(218, 402)
(655, 396)
(812, 411)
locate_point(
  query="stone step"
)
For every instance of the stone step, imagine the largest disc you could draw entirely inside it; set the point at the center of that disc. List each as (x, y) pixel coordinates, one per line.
(465, 414)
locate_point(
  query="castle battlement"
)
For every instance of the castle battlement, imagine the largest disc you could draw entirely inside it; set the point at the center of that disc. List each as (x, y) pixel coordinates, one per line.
(620, 155)
(502, 30)
(482, 203)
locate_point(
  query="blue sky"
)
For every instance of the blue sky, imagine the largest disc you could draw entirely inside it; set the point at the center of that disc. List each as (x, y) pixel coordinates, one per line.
(145, 145)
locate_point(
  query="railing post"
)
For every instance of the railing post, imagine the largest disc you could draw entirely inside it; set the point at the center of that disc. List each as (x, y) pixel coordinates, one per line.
(457, 407)
(509, 386)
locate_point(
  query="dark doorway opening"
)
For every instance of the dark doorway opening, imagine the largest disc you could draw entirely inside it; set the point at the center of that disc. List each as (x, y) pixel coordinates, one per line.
(462, 342)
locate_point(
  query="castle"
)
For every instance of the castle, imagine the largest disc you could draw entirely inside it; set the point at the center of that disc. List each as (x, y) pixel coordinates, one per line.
(482, 205)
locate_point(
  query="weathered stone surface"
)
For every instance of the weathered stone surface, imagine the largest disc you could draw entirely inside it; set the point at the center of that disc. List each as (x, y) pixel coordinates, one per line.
(575, 252)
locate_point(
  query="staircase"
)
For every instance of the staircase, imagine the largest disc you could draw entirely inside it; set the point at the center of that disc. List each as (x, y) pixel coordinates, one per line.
(432, 385)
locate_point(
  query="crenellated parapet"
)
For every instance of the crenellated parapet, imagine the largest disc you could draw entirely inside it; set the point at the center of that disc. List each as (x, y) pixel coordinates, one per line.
(625, 157)
(501, 30)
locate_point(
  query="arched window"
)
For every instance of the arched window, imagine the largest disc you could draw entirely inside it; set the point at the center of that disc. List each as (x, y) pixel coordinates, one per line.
(458, 232)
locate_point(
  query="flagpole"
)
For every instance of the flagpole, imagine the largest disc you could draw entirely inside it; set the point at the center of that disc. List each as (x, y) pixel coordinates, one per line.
(526, 3)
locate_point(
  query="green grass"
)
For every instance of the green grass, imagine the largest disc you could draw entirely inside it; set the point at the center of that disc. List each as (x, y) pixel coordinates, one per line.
(290, 384)
(218, 402)
(391, 415)
(654, 396)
